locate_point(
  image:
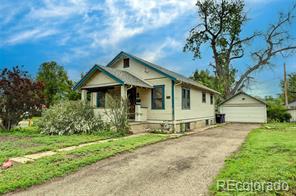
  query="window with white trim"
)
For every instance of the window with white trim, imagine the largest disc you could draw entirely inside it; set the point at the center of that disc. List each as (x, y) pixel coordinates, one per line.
(185, 98)
(157, 97)
(204, 97)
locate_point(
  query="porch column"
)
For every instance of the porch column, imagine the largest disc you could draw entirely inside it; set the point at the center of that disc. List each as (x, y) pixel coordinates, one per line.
(123, 91)
(84, 95)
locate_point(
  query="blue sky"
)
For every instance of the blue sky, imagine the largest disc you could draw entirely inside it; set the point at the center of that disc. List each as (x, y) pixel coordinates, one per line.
(80, 33)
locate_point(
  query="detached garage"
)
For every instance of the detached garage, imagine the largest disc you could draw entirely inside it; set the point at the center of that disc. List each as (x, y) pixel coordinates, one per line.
(244, 108)
(292, 110)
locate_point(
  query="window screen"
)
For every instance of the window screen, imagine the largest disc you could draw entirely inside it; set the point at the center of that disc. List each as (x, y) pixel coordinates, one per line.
(158, 97)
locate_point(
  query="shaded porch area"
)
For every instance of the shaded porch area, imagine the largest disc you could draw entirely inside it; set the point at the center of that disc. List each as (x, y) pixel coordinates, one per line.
(100, 99)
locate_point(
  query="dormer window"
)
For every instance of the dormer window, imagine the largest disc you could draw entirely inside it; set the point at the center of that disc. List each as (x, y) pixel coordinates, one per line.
(126, 63)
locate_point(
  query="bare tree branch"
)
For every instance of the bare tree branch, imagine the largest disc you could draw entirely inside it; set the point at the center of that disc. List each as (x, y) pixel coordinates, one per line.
(275, 40)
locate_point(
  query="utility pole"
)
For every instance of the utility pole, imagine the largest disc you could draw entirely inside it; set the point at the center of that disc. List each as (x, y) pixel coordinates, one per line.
(285, 85)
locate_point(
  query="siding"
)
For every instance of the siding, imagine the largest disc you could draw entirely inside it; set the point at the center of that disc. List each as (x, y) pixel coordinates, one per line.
(198, 110)
(154, 78)
(99, 78)
(138, 70)
(242, 100)
(243, 108)
(293, 114)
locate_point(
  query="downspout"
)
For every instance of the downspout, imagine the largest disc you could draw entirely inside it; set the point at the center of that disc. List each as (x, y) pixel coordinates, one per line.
(173, 101)
(173, 104)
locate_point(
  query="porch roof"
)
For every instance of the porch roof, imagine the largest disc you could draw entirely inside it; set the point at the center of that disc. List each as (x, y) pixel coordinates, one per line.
(122, 77)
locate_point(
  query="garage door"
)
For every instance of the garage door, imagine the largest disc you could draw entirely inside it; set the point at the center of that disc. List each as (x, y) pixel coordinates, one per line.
(244, 114)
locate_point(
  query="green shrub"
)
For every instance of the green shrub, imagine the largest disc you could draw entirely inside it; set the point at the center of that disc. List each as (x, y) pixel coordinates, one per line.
(276, 111)
(70, 117)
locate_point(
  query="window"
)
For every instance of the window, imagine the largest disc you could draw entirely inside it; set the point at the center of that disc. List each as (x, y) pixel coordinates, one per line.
(100, 99)
(126, 63)
(185, 98)
(212, 99)
(158, 97)
(204, 97)
(187, 126)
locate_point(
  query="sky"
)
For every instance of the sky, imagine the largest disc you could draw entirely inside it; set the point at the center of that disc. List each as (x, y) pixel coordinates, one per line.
(80, 33)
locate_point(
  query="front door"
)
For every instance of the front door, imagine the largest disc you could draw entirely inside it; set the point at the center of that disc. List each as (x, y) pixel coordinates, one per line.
(132, 94)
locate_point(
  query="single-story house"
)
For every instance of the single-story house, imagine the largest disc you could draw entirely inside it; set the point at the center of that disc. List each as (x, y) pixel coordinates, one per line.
(292, 110)
(156, 94)
(245, 108)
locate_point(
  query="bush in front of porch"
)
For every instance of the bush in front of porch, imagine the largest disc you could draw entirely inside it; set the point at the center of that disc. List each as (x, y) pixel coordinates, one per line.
(71, 117)
(117, 114)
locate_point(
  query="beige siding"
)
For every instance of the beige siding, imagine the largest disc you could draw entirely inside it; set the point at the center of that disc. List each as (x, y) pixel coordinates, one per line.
(166, 114)
(242, 99)
(293, 114)
(139, 70)
(99, 79)
(115, 92)
(198, 110)
(154, 78)
(243, 108)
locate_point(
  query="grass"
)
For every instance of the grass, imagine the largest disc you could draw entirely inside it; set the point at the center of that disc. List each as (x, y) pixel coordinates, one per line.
(268, 155)
(28, 140)
(25, 175)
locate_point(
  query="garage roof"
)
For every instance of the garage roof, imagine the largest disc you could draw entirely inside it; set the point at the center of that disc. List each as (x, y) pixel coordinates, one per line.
(239, 93)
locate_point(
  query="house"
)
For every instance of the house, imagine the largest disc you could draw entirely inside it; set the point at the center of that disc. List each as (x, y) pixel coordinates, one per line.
(245, 108)
(156, 94)
(292, 110)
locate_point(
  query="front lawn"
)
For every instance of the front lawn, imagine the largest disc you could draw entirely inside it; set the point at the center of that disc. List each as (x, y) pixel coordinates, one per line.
(26, 175)
(29, 140)
(268, 155)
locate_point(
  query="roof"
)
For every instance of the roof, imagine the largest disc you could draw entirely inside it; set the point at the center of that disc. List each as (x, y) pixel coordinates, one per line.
(170, 74)
(229, 98)
(122, 77)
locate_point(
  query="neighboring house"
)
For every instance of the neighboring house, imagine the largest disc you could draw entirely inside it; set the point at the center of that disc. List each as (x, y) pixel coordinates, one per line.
(292, 110)
(244, 108)
(156, 94)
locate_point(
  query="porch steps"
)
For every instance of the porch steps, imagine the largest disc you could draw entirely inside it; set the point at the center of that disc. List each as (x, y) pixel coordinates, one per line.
(138, 127)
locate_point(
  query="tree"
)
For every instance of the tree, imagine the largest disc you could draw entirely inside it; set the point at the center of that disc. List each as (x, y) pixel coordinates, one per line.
(220, 27)
(204, 77)
(291, 86)
(57, 86)
(20, 96)
(276, 111)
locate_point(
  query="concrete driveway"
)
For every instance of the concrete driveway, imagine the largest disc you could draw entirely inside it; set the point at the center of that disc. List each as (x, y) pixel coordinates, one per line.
(183, 166)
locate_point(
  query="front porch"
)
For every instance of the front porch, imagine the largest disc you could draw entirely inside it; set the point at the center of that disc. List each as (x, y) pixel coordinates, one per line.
(137, 97)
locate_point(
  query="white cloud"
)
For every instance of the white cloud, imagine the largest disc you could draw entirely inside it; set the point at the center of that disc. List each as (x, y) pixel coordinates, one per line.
(160, 50)
(133, 17)
(58, 9)
(30, 35)
(97, 24)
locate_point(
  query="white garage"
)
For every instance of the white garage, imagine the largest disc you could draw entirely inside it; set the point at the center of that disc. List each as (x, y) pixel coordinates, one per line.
(292, 110)
(244, 108)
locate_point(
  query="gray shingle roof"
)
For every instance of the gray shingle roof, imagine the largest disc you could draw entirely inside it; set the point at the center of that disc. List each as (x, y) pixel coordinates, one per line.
(126, 77)
(174, 75)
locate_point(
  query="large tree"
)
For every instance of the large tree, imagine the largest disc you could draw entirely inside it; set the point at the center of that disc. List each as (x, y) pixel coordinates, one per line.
(57, 85)
(20, 96)
(220, 26)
